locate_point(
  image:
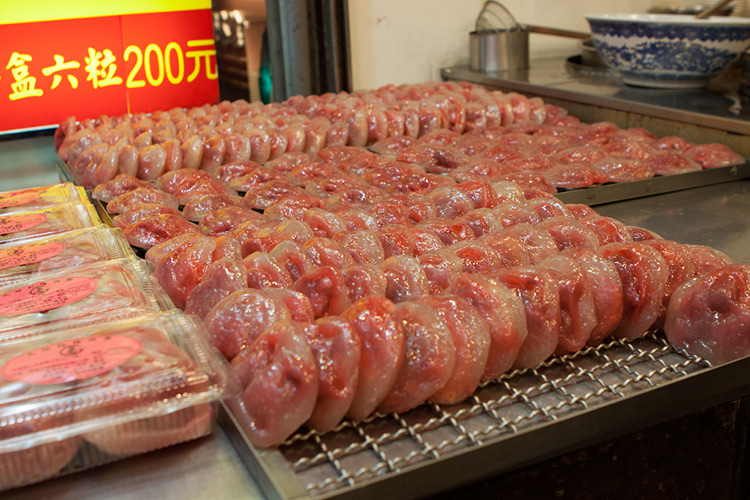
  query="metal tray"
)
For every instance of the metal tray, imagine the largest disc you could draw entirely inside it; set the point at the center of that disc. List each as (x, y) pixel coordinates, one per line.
(526, 416)
(608, 193)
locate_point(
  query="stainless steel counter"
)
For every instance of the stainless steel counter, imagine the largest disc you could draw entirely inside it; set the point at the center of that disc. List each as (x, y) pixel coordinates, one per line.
(717, 215)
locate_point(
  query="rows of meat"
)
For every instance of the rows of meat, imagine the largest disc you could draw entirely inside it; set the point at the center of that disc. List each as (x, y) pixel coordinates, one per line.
(470, 132)
(332, 306)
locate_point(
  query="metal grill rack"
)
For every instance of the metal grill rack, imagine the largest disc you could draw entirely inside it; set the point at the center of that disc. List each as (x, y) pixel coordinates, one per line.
(523, 417)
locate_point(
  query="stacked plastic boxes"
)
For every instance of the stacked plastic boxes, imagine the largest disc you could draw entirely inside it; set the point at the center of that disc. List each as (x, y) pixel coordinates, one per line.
(96, 364)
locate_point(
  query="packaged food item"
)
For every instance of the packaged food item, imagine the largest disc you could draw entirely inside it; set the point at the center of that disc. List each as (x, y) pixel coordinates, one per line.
(99, 292)
(47, 221)
(24, 200)
(22, 259)
(73, 399)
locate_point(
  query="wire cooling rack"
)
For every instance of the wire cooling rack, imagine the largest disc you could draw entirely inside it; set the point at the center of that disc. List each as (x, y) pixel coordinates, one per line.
(523, 417)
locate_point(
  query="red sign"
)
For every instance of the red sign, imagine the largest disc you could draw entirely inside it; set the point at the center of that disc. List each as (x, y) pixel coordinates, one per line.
(112, 65)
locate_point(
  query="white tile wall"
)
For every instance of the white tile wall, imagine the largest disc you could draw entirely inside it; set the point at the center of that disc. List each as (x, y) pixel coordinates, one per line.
(408, 41)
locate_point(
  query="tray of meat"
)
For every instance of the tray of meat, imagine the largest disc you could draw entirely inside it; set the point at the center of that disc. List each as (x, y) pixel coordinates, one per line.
(47, 221)
(80, 397)
(41, 197)
(22, 259)
(93, 293)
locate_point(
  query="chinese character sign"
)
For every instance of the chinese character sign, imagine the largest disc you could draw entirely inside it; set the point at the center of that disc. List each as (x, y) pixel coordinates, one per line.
(111, 64)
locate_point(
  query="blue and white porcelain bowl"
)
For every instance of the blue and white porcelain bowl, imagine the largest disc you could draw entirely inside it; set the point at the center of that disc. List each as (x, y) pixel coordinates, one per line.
(668, 51)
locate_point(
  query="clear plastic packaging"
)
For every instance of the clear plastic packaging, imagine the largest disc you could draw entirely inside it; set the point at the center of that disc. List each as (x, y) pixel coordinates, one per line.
(24, 258)
(77, 398)
(95, 293)
(41, 197)
(44, 222)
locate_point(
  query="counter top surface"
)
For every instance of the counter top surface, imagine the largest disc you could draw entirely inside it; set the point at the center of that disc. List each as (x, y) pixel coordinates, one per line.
(717, 215)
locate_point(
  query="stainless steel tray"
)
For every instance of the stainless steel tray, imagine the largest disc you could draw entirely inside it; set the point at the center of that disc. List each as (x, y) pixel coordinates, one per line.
(522, 418)
(608, 193)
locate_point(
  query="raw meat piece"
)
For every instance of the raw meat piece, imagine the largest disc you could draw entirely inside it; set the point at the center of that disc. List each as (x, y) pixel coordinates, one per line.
(449, 231)
(192, 152)
(264, 235)
(480, 170)
(529, 180)
(187, 185)
(238, 319)
(280, 378)
(476, 257)
(264, 272)
(706, 259)
(619, 169)
(392, 145)
(395, 240)
(671, 143)
(141, 211)
(451, 202)
(509, 249)
(326, 289)
(382, 351)
(326, 252)
(512, 213)
(482, 193)
(641, 234)
(151, 162)
(680, 266)
(569, 233)
(471, 342)
(709, 315)
(309, 172)
(388, 212)
(405, 279)
(260, 144)
(573, 176)
(607, 229)
(587, 155)
(504, 313)
(200, 206)
(636, 150)
(547, 208)
(36, 463)
(238, 148)
(530, 163)
(264, 195)
(223, 277)
(364, 280)
(104, 168)
(293, 258)
(339, 154)
(336, 348)
(324, 223)
(333, 184)
(156, 229)
(357, 195)
(580, 211)
(442, 269)
(430, 358)
(226, 219)
(227, 247)
(606, 285)
(293, 207)
(183, 268)
(577, 309)
(364, 246)
(356, 218)
(537, 290)
(714, 155)
(644, 274)
(538, 243)
(252, 180)
(670, 163)
(483, 221)
(139, 196)
(157, 253)
(298, 304)
(425, 241)
(235, 169)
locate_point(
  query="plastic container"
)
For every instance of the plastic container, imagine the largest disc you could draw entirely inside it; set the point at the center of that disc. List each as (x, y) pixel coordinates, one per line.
(95, 293)
(41, 197)
(23, 258)
(47, 221)
(77, 398)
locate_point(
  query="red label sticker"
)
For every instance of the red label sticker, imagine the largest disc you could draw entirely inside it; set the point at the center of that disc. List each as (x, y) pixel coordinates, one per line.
(45, 295)
(71, 360)
(20, 222)
(17, 199)
(29, 254)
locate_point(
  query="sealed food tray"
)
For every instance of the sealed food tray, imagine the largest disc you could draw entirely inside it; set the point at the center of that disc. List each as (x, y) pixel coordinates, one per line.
(526, 416)
(76, 398)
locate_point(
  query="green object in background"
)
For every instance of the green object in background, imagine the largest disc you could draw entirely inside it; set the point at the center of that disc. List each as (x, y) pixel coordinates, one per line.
(264, 82)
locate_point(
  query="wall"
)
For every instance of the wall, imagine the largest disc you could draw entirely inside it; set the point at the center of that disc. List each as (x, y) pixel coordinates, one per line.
(408, 41)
